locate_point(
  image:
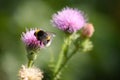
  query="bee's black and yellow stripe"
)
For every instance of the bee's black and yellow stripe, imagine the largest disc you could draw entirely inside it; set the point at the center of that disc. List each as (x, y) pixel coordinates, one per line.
(42, 34)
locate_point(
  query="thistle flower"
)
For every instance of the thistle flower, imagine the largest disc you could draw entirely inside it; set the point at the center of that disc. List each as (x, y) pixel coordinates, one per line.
(69, 19)
(30, 73)
(31, 41)
(34, 39)
(88, 30)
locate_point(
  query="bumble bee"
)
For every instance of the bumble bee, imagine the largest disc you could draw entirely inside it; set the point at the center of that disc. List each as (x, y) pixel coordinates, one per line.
(44, 37)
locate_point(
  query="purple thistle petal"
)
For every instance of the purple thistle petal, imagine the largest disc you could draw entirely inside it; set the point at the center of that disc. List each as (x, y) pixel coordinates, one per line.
(30, 40)
(69, 19)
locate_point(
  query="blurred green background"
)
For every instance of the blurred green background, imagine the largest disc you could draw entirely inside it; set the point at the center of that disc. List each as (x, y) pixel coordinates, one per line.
(103, 63)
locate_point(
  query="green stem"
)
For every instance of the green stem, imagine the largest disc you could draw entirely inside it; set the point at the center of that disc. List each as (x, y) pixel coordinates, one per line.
(66, 61)
(31, 58)
(73, 53)
(30, 63)
(63, 56)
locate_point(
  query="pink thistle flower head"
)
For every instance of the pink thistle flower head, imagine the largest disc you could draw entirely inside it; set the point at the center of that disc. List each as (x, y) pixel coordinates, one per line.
(31, 41)
(69, 19)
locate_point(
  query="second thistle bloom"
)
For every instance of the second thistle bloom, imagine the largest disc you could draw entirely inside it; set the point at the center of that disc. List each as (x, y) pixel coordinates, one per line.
(35, 39)
(30, 40)
(69, 19)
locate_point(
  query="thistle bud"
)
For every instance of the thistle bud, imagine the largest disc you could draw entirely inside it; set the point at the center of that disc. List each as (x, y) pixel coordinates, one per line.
(88, 30)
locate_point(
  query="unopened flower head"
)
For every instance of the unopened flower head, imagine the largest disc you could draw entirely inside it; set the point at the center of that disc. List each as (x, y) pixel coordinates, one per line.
(30, 40)
(88, 30)
(69, 19)
(30, 73)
